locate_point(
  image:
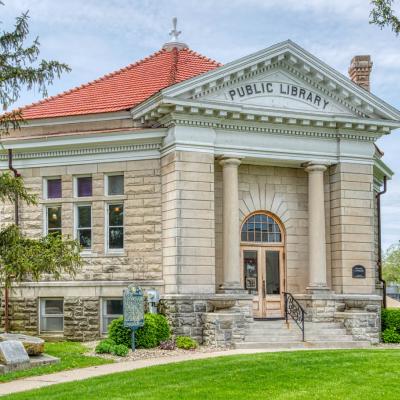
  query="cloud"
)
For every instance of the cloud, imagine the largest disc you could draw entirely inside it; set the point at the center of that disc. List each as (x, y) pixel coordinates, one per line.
(99, 36)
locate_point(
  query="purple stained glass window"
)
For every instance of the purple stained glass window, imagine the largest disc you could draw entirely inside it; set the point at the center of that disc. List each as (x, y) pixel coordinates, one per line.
(54, 188)
(84, 186)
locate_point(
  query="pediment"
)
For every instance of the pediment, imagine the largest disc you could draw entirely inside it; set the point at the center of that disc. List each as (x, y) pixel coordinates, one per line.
(278, 89)
(285, 63)
(283, 84)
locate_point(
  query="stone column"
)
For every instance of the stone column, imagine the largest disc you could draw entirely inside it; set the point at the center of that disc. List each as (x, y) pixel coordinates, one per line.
(231, 226)
(316, 227)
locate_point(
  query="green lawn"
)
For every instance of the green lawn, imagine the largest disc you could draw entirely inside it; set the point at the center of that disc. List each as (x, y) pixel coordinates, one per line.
(71, 355)
(343, 374)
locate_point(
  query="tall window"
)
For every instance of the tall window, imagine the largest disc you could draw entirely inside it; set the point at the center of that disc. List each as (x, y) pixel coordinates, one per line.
(112, 309)
(51, 315)
(84, 225)
(53, 188)
(115, 185)
(261, 228)
(83, 186)
(115, 226)
(53, 220)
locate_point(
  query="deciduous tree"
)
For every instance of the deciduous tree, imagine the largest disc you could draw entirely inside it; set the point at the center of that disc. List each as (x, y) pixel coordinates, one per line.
(382, 14)
(391, 264)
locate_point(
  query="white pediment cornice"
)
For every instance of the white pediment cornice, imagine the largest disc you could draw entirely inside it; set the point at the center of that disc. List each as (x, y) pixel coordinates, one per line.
(287, 56)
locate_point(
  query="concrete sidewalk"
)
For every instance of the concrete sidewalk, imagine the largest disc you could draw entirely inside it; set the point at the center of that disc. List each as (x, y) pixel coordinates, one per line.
(36, 382)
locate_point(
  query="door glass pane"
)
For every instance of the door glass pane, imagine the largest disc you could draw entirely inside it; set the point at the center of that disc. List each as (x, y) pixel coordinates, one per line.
(272, 271)
(250, 271)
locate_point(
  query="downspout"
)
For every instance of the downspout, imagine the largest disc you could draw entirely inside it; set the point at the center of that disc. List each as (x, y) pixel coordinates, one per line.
(379, 262)
(16, 221)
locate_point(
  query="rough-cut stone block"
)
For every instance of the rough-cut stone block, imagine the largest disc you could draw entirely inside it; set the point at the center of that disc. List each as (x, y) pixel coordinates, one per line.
(13, 352)
(33, 345)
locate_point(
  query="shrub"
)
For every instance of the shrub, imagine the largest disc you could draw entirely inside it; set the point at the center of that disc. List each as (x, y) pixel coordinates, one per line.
(185, 342)
(391, 325)
(105, 346)
(118, 333)
(154, 331)
(120, 350)
(168, 345)
(391, 319)
(390, 335)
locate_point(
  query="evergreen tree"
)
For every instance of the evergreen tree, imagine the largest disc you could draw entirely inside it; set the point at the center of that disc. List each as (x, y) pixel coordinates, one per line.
(23, 258)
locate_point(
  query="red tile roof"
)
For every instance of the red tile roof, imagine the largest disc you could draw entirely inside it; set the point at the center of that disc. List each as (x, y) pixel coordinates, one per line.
(125, 88)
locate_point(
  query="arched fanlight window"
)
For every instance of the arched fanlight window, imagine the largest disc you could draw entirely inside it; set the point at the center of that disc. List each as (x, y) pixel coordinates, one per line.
(261, 228)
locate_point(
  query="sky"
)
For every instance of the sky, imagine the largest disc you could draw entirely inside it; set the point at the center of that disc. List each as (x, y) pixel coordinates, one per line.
(95, 37)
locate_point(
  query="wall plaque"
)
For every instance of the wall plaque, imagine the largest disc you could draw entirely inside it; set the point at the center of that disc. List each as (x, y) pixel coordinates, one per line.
(358, 272)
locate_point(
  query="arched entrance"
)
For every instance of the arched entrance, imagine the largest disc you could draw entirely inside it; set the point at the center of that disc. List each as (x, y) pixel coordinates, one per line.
(263, 262)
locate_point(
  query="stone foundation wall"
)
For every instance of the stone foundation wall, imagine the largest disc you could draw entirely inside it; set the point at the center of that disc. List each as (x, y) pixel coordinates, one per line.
(23, 315)
(185, 316)
(82, 318)
(217, 320)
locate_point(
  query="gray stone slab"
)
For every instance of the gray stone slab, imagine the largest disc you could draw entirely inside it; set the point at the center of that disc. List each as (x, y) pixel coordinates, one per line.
(13, 352)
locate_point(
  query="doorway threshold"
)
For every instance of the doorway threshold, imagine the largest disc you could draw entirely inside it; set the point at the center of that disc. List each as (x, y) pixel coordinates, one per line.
(269, 319)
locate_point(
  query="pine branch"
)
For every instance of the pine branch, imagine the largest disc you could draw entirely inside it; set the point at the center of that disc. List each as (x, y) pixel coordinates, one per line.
(20, 69)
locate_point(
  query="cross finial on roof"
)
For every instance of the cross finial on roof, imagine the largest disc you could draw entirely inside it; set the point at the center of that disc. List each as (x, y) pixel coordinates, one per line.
(174, 34)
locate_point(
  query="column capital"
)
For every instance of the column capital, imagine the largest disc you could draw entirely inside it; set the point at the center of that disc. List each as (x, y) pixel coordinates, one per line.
(234, 161)
(311, 167)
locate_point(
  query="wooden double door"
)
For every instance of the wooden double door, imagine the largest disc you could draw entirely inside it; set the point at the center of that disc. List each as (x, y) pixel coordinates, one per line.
(263, 276)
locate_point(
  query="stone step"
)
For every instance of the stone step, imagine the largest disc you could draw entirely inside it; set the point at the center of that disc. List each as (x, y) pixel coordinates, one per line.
(282, 324)
(351, 344)
(334, 331)
(277, 339)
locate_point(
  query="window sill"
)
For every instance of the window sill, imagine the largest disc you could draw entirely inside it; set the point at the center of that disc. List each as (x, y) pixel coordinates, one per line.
(87, 253)
(115, 253)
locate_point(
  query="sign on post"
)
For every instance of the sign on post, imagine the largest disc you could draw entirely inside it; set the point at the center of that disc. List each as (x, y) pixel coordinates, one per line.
(133, 309)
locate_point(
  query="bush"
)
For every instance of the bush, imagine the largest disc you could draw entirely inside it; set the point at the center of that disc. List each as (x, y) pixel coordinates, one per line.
(185, 342)
(120, 350)
(391, 318)
(390, 335)
(105, 346)
(154, 331)
(391, 325)
(118, 333)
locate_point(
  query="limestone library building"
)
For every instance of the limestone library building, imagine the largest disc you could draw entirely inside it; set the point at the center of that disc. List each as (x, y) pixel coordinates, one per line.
(242, 193)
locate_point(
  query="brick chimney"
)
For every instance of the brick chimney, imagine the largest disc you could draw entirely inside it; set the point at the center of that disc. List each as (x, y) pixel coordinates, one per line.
(360, 71)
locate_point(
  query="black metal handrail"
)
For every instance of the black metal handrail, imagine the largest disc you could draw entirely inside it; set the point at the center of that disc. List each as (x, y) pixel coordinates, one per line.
(295, 310)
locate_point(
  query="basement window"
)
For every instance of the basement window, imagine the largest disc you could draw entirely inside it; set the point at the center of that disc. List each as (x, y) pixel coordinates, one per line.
(112, 309)
(51, 315)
